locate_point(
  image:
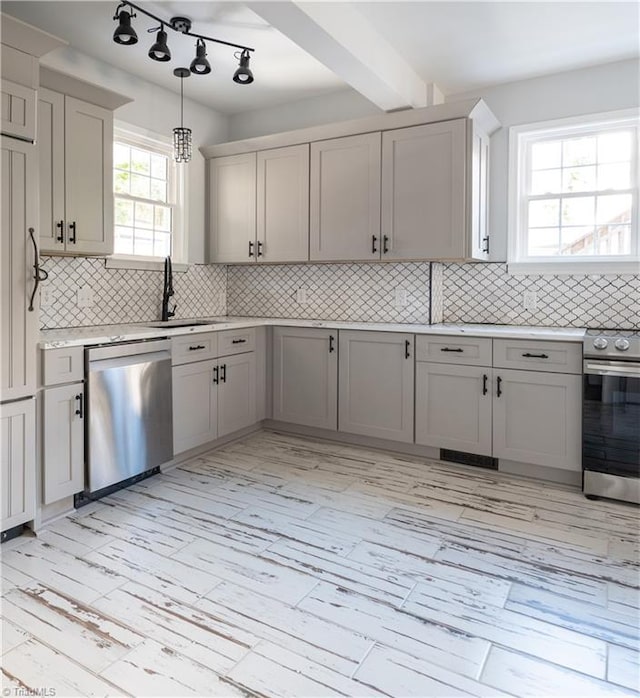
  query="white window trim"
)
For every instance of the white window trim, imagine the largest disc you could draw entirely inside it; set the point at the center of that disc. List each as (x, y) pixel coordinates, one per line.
(517, 262)
(180, 224)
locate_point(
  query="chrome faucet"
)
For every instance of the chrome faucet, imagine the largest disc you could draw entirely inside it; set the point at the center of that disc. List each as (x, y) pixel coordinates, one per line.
(167, 291)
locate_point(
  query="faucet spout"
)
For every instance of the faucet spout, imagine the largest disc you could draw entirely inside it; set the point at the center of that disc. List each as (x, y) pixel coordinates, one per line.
(167, 291)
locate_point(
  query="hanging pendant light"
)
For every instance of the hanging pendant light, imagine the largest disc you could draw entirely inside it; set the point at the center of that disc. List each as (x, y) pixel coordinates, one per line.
(182, 135)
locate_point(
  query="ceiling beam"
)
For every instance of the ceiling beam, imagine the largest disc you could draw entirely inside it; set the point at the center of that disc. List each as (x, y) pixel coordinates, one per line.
(341, 38)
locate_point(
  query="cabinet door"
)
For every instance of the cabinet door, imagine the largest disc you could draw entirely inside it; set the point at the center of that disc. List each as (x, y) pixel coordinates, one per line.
(63, 442)
(236, 393)
(423, 191)
(88, 178)
(305, 376)
(51, 162)
(376, 384)
(232, 208)
(537, 418)
(18, 111)
(478, 185)
(195, 405)
(19, 325)
(18, 462)
(283, 204)
(345, 198)
(453, 407)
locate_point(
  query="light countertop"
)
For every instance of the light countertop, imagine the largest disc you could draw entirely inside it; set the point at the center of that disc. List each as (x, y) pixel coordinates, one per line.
(105, 334)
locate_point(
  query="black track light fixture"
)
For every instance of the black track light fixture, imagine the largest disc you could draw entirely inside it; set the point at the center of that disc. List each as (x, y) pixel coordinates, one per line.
(243, 74)
(124, 34)
(200, 65)
(160, 51)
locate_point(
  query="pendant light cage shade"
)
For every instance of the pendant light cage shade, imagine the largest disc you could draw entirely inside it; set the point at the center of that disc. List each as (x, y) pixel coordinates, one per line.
(125, 34)
(181, 144)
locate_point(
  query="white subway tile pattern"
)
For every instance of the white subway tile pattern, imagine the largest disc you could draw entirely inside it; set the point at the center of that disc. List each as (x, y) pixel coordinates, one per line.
(355, 292)
(487, 293)
(126, 295)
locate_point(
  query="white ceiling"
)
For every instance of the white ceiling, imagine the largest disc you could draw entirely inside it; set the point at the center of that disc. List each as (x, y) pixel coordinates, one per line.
(460, 46)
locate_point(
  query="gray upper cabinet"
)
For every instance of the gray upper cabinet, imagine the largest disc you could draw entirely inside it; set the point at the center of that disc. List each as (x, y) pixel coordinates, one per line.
(232, 208)
(75, 144)
(305, 376)
(423, 191)
(283, 205)
(376, 384)
(345, 198)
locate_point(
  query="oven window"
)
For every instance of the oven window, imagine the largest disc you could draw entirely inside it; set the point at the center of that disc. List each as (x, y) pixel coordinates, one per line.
(611, 425)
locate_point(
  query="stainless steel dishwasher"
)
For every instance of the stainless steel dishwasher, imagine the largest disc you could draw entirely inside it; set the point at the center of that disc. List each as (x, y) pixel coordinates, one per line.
(129, 406)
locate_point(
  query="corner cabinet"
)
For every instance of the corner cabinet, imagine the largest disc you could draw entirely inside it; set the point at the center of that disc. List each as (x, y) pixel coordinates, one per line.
(376, 384)
(75, 143)
(259, 206)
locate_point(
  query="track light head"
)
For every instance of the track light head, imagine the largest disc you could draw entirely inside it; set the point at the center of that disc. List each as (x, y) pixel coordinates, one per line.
(200, 65)
(160, 51)
(125, 34)
(243, 75)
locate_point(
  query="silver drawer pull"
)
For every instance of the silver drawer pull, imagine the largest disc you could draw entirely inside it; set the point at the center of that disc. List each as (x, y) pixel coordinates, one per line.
(529, 355)
(238, 341)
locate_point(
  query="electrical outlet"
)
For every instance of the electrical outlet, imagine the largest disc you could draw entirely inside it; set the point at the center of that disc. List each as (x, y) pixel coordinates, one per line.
(530, 301)
(84, 297)
(301, 296)
(46, 296)
(401, 300)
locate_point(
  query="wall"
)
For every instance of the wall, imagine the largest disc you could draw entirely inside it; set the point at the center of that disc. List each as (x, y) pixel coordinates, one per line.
(155, 110)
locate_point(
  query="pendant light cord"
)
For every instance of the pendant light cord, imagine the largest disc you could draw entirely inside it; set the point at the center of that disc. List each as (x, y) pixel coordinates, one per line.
(181, 102)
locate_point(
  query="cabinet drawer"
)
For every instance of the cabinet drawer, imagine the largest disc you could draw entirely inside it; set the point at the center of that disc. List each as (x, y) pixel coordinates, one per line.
(194, 347)
(65, 365)
(468, 351)
(534, 355)
(236, 341)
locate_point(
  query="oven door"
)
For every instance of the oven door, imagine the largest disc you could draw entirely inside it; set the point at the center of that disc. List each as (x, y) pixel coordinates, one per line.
(611, 417)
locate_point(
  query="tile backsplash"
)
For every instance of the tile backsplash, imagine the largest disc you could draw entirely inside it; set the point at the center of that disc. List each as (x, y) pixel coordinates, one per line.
(125, 295)
(356, 292)
(487, 293)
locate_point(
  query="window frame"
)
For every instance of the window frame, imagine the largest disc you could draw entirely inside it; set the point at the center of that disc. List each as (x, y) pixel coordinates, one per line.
(177, 196)
(520, 139)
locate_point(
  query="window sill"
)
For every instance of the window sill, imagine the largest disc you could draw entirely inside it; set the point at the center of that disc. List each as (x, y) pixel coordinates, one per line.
(142, 263)
(597, 268)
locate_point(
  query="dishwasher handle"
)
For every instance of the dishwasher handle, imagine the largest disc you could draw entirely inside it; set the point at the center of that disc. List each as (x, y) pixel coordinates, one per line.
(123, 349)
(133, 360)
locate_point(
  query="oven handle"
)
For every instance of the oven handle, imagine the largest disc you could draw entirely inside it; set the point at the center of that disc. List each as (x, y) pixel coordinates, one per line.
(612, 368)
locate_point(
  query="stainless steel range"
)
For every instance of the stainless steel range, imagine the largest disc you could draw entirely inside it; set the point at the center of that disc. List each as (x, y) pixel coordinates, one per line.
(611, 415)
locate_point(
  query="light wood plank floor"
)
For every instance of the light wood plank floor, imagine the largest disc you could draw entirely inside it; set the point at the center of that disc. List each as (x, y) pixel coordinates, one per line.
(284, 566)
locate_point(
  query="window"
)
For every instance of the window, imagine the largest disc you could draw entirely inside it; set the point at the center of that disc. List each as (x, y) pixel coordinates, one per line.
(574, 193)
(148, 194)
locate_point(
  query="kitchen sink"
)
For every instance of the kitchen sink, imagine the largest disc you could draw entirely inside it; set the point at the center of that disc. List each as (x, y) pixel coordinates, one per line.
(181, 323)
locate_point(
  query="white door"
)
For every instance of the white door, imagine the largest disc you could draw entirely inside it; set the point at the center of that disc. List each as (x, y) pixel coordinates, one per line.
(453, 407)
(283, 204)
(232, 208)
(53, 230)
(376, 385)
(423, 191)
(63, 442)
(18, 110)
(88, 178)
(19, 214)
(305, 376)
(537, 418)
(345, 198)
(195, 404)
(17, 462)
(236, 392)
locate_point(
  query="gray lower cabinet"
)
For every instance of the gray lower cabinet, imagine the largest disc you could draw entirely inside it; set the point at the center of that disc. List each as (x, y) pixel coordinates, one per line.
(236, 392)
(305, 376)
(376, 384)
(62, 442)
(195, 404)
(18, 461)
(453, 407)
(537, 418)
